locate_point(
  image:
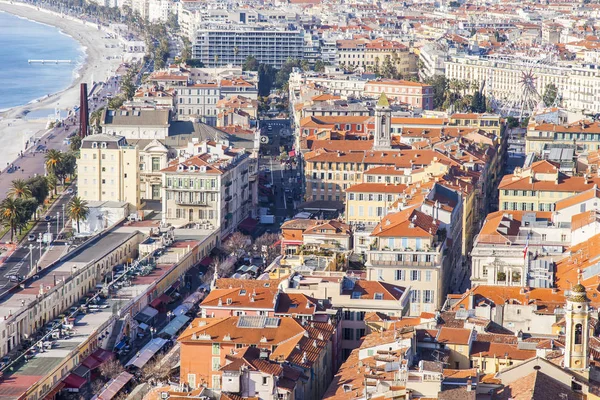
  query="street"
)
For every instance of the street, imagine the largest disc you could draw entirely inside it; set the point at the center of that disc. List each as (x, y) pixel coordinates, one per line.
(25, 258)
(281, 178)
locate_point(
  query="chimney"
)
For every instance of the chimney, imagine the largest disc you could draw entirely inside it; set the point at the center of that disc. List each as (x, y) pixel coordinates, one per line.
(83, 111)
(471, 301)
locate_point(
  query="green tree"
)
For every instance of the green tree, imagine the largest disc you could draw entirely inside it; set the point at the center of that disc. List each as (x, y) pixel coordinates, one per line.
(52, 183)
(116, 102)
(77, 209)
(75, 143)
(478, 103)
(186, 52)
(53, 159)
(95, 120)
(320, 66)
(127, 85)
(266, 77)
(440, 89)
(305, 65)
(19, 189)
(283, 75)
(550, 94)
(66, 166)
(250, 64)
(11, 214)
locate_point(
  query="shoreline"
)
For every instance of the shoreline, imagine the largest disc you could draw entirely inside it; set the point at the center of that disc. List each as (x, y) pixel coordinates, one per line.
(15, 130)
(75, 74)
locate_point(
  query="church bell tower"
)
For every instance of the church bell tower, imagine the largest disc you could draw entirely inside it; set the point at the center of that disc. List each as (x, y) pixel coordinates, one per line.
(577, 318)
(383, 121)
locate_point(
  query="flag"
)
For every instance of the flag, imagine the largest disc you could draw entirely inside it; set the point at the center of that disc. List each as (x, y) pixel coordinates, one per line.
(526, 249)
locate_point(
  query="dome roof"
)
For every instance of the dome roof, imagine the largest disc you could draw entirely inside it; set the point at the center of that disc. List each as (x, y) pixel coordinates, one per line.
(578, 288)
(578, 294)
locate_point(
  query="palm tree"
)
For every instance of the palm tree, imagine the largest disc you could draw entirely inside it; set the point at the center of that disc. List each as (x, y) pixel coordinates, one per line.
(19, 189)
(52, 182)
(77, 209)
(11, 214)
(53, 159)
(96, 119)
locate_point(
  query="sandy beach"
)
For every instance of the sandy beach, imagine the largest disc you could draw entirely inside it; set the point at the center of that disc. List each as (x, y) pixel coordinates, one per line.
(15, 129)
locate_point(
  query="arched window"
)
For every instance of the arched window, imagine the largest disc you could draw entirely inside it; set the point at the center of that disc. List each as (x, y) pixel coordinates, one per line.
(578, 333)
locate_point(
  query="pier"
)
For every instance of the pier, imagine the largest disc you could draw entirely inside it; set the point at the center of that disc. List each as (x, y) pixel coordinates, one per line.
(50, 61)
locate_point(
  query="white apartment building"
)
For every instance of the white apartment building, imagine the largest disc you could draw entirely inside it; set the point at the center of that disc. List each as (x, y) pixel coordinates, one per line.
(217, 45)
(159, 10)
(107, 170)
(198, 99)
(208, 185)
(577, 85)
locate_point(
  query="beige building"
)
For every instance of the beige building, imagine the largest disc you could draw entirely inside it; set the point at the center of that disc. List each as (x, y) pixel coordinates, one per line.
(354, 297)
(585, 134)
(209, 186)
(539, 187)
(108, 170)
(408, 249)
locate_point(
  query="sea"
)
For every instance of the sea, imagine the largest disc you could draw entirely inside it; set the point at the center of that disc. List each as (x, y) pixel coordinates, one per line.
(22, 40)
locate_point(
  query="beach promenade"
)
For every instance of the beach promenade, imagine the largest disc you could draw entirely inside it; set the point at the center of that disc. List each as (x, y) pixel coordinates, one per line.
(101, 62)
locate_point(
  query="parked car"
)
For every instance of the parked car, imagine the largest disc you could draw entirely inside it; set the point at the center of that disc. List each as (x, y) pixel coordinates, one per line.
(31, 237)
(48, 218)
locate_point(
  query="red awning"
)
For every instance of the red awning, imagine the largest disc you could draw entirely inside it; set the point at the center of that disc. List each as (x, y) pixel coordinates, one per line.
(206, 261)
(292, 153)
(74, 382)
(54, 392)
(103, 355)
(155, 303)
(165, 298)
(91, 362)
(162, 299)
(248, 224)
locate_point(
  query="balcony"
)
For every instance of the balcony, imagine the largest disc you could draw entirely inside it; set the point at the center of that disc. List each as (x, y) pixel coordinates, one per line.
(228, 183)
(244, 186)
(185, 202)
(228, 198)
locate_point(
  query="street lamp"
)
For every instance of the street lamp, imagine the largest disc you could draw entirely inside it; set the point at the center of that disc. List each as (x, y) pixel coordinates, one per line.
(63, 214)
(152, 332)
(48, 227)
(40, 242)
(30, 257)
(170, 314)
(58, 222)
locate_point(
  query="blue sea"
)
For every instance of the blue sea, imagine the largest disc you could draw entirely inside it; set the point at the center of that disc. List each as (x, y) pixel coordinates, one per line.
(22, 40)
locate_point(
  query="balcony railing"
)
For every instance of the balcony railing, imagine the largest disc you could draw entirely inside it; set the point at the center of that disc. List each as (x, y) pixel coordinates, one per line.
(228, 198)
(184, 202)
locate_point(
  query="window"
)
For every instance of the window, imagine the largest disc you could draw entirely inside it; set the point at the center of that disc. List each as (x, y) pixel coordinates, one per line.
(427, 276)
(378, 296)
(216, 363)
(216, 382)
(265, 380)
(415, 296)
(349, 315)
(191, 378)
(360, 333)
(399, 275)
(578, 334)
(348, 334)
(216, 349)
(415, 275)
(427, 296)
(155, 163)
